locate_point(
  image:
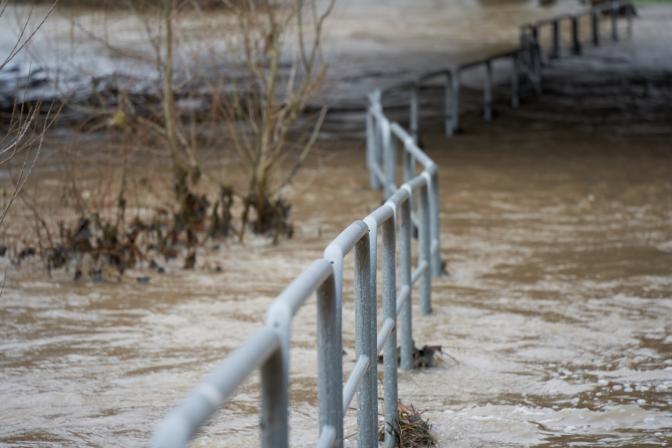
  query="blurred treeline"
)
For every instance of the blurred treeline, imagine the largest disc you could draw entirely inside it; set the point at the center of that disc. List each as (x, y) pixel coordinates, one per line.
(124, 4)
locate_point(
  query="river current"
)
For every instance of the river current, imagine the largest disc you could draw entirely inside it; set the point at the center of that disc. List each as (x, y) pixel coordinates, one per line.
(556, 313)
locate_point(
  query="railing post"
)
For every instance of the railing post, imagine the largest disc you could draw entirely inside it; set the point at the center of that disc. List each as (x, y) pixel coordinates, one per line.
(526, 45)
(536, 57)
(335, 256)
(453, 127)
(534, 32)
(424, 253)
(555, 47)
(629, 10)
(365, 320)
(373, 293)
(389, 157)
(275, 383)
(614, 20)
(377, 155)
(409, 160)
(447, 105)
(390, 351)
(525, 56)
(576, 42)
(405, 273)
(409, 164)
(434, 224)
(515, 80)
(595, 28)
(330, 361)
(487, 92)
(371, 147)
(414, 117)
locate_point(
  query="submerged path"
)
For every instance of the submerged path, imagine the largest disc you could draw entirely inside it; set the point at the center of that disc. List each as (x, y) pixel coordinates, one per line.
(556, 311)
(556, 308)
(554, 315)
(558, 223)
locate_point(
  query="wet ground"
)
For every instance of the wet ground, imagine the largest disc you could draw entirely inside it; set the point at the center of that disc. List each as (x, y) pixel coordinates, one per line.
(81, 51)
(555, 314)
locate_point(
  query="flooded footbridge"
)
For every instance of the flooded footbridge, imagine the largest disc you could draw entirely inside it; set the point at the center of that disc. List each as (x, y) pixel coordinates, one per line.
(556, 226)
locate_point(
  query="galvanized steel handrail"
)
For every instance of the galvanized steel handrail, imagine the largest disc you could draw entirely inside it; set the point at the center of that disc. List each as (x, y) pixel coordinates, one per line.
(411, 203)
(382, 136)
(526, 61)
(613, 7)
(268, 348)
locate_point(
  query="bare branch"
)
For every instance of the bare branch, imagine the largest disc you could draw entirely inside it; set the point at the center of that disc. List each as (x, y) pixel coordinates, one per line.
(21, 42)
(29, 162)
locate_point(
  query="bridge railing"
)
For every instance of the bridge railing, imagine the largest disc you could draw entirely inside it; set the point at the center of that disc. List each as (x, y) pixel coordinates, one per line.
(525, 62)
(412, 203)
(615, 9)
(384, 139)
(268, 349)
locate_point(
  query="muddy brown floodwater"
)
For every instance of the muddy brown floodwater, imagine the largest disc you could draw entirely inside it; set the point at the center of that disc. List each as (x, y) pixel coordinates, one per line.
(555, 315)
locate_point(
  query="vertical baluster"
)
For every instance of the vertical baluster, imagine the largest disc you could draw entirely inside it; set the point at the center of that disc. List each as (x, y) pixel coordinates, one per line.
(595, 28)
(454, 124)
(330, 361)
(390, 312)
(515, 80)
(364, 321)
(414, 111)
(487, 92)
(576, 41)
(555, 36)
(405, 273)
(425, 241)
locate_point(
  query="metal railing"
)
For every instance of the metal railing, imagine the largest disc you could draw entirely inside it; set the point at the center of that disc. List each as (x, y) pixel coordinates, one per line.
(412, 205)
(268, 348)
(530, 33)
(526, 62)
(452, 76)
(382, 138)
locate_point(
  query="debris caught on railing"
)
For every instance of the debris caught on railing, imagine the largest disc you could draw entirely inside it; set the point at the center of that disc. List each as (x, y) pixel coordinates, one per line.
(412, 431)
(423, 358)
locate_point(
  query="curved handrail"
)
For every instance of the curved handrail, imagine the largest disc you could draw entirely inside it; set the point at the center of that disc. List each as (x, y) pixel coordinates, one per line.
(411, 203)
(268, 348)
(527, 61)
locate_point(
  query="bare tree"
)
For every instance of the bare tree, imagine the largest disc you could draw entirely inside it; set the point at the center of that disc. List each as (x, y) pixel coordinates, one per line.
(266, 109)
(182, 152)
(25, 34)
(275, 67)
(271, 66)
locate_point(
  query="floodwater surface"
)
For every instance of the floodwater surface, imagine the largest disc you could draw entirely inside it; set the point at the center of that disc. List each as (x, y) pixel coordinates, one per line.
(554, 316)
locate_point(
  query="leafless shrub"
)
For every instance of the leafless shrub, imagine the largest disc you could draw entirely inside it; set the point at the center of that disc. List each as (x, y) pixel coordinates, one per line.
(265, 109)
(22, 145)
(254, 102)
(273, 66)
(25, 136)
